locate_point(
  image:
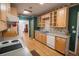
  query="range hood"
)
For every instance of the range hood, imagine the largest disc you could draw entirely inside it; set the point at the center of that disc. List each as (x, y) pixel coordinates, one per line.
(12, 18)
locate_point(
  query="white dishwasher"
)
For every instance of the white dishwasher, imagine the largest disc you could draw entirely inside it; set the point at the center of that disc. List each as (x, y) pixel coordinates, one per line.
(51, 41)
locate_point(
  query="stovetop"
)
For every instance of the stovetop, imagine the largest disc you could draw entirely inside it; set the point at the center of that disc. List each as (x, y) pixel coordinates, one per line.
(9, 45)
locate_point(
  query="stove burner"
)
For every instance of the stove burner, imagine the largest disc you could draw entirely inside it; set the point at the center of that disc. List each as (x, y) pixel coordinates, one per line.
(15, 41)
(5, 42)
(10, 48)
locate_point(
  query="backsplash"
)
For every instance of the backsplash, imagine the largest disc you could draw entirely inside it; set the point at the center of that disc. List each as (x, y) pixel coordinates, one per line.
(55, 30)
(58, 30)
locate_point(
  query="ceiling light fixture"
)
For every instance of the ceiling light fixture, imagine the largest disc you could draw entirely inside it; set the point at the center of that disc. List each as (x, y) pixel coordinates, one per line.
(41, 3)
(26, 12)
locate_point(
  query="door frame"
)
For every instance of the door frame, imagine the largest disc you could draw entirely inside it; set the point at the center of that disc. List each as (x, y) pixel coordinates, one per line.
(77, 34)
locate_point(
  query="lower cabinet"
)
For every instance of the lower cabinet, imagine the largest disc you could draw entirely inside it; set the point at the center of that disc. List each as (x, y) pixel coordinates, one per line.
(60, 44)
(41, 37)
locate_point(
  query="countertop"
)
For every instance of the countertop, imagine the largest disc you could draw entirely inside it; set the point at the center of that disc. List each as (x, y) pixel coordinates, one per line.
(54, 34)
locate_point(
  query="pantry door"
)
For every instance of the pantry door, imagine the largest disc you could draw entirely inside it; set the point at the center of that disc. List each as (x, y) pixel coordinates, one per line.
(72, 27)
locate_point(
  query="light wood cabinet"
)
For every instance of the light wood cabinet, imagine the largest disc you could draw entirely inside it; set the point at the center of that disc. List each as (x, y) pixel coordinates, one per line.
(53, 18)
(42, 21)
(41, 37)
(61, 20)
(42, 18)
(38, 36)
(4, 11)
(60, 44)
(14, 11)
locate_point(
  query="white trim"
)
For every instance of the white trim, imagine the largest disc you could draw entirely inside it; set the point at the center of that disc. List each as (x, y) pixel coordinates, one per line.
(72, 52)
(77, 34)
(28, 27)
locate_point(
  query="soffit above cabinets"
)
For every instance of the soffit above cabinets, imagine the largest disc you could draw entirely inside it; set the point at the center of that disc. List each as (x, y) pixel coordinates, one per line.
(36, 8)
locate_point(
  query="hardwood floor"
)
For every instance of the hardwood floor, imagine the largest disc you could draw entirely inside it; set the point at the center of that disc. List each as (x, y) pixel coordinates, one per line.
(43, 50)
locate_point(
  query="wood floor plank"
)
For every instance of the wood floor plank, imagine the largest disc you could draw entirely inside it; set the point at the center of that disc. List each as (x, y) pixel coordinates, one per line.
(39, 47)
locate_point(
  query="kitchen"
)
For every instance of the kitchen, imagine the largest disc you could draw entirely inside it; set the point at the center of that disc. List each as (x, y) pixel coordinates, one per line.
(54, 28)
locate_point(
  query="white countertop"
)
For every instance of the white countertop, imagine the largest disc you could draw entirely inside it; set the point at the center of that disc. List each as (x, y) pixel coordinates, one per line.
(55, 34)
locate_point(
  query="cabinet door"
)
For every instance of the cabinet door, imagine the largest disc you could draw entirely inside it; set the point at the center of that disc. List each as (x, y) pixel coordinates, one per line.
(39, 36)
(60, 44)
(14, 11)
(52, 20)
(3, 26)
(36, 35)
(44, 38)
(42, 21)
(4, 8)
(39, 22)
(3, 15)
(61, 17)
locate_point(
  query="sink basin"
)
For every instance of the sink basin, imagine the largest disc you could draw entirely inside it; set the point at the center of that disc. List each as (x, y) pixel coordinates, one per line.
(45, 31)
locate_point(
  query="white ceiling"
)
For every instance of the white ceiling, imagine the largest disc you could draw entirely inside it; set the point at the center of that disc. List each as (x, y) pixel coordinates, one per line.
(37, 9)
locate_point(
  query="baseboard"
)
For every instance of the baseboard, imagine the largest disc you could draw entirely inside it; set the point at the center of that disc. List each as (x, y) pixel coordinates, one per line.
(73, 53)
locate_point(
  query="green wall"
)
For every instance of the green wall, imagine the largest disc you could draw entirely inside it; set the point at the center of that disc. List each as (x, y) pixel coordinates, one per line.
(21, 17)
(31, 30)
(72, 22)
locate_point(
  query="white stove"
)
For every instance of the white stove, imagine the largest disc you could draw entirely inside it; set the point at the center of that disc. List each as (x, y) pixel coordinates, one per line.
(13, 48)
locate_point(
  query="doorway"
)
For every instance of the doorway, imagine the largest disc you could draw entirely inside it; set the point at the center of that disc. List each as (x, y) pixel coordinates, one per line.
(22, 26)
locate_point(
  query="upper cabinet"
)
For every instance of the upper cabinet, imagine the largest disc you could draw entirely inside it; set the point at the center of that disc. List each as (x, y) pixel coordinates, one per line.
(57, 18)
(61, 18)
(53, 18)
(42, 19)
(14, 11)
(4, 11)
